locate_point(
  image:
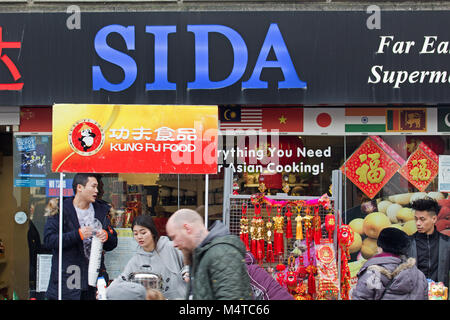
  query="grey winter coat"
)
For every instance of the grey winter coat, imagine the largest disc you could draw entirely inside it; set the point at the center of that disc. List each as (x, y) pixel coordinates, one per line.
(166, 261)
(409, 282)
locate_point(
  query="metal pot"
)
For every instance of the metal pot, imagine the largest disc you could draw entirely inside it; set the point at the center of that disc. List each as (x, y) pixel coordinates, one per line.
(147, 279)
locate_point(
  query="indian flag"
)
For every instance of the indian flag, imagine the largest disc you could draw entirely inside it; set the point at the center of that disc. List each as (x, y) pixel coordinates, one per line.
(365, 119)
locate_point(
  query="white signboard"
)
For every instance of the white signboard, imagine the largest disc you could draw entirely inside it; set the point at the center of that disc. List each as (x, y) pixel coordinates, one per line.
(44, 268)
(444, 174)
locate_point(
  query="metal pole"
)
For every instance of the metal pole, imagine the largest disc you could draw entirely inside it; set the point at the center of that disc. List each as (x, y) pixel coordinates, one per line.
(206, 199)
(60, 245)
(227, 192)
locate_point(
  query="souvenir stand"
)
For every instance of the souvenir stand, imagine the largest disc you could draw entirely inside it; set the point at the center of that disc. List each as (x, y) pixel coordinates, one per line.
(133, 139)
(300, 240)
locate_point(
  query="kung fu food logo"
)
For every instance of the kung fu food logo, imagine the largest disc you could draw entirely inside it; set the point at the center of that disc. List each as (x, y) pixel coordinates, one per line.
(86, 137)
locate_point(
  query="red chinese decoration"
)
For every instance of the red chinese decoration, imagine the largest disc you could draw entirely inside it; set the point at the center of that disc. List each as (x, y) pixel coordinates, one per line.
(278, 232)
(345, 240)
(289, 234)
(330, 223)
(421, 168)
(268, 232)
(370, 167)
(243, 233)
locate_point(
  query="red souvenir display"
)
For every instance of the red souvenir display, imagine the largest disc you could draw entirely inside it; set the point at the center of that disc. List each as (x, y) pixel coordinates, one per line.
(316, 279)
(345, 239)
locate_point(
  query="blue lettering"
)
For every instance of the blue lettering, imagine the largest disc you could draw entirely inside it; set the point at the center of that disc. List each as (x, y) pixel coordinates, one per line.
(161, 53)
(202, 79)
(274, 40)
(125, 62)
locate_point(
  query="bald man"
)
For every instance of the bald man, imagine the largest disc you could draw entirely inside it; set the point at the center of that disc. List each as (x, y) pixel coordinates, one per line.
(217, 258)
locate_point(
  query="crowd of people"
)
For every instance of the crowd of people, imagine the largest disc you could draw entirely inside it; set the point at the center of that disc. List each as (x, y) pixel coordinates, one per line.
(200, 263)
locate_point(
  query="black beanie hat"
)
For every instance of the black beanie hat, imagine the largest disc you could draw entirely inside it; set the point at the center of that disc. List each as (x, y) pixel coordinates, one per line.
(394, 241)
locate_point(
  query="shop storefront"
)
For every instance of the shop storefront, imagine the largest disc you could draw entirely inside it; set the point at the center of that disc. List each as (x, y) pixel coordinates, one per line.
(317, 116)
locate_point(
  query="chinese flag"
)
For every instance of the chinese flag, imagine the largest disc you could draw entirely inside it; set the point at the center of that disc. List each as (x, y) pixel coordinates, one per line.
(283, 119)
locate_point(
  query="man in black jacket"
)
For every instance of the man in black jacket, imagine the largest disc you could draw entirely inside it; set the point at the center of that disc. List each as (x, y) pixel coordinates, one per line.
(430, 247)
(79, 213)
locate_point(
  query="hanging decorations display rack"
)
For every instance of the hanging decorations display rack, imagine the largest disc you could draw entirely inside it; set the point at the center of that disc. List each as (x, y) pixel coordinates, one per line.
(310, 270)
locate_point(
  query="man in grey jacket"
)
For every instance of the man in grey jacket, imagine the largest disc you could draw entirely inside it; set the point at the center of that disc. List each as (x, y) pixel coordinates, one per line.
(430, 248)
(390, 275)
(217, 266)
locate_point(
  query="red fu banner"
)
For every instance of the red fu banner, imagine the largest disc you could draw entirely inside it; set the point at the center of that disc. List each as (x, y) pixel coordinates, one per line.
(135, 138)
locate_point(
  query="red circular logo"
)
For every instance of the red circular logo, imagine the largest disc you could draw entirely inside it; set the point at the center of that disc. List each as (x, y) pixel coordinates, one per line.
(325, 254)
(323, 120)
(86, 137)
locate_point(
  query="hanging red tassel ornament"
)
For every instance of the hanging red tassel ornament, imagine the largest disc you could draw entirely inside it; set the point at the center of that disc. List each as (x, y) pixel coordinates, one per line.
(308, 233)
(311, 270)
(259, 234)
(316, 222)
(289, 223)
(278, 222)
(268, 235)
(301, 269)
(345, 240)
(253, 235)
(243, 233)
(330, 223)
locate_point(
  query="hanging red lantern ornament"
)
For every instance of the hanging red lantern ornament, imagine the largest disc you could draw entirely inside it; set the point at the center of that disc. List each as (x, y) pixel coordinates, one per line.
(330, 223)
(278, 222)
(345, 240)
(259, 234)
(268, 234)
(243, 233)
(316, 222)
(289, 223)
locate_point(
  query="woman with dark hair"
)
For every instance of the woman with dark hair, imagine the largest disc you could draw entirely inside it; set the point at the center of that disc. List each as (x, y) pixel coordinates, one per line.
(156, 254)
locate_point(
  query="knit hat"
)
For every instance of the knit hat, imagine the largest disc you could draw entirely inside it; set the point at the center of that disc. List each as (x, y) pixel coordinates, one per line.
(125, 290)
(394, 241)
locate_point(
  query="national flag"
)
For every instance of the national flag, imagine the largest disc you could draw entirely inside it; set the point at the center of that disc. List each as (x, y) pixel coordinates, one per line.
(404, 120)
(238, 118)
(365, 120)
(324, 121)
(443, 119)
(283, 119)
